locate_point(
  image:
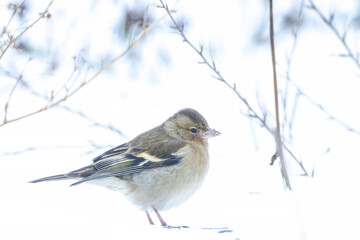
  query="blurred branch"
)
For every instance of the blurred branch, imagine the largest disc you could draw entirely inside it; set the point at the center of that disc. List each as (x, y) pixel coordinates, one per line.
(295, 32)
(209, 63)
(95, 123)
(300, 92)
(341, 36)
(324, 110)
(69, 93)
(95, 147)
(279, 144)
(13, 39)
(252, 114)
(18, 79)
(15, 8)
(33, 149)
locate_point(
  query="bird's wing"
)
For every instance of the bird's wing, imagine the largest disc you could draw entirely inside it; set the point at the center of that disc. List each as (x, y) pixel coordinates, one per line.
(112, 152)
(130, 158)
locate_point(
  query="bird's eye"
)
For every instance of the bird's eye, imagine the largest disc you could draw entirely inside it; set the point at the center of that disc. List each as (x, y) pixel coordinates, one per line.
(193, 130)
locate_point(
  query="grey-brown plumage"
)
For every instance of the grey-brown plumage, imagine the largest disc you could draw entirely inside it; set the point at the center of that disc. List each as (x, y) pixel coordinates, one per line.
(158, 169)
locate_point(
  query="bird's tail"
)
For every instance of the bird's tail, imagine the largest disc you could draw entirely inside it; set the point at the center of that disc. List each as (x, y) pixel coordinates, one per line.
(51, 178)
(79, 173)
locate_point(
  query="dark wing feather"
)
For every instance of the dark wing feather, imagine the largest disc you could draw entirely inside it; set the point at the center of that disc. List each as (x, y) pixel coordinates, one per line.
(112, 152)
(136, 156)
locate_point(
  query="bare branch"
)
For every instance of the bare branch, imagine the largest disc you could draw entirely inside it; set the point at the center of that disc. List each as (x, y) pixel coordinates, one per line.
(18, 80)
(299, 162)
(86, 82)
(340, 36)
(12, 40)
(15, 8)
(288, 69)
(300, 92)
(204, 60)
(31, 149)
(279, 143)
(324, 110)
(95, 123)
(216, 73)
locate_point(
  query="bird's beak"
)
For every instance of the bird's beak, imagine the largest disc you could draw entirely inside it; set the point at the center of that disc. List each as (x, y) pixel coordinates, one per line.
(211, 133)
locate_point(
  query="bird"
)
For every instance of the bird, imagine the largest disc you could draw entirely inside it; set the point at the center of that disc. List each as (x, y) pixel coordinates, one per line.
(157, 170)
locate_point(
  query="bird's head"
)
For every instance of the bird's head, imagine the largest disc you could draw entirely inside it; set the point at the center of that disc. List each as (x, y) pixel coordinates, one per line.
(189, 126)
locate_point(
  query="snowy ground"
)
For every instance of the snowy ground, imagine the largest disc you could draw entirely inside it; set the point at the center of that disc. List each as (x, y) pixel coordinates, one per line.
(242, 197)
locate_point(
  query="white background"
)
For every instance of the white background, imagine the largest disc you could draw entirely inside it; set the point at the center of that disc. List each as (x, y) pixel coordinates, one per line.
(242, 192)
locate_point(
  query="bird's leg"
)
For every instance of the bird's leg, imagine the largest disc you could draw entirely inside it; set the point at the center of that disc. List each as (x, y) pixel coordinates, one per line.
(149, 218)
(163, 223)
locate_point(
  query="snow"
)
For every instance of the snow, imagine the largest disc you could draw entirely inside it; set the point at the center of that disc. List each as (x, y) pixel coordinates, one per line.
(242, 197)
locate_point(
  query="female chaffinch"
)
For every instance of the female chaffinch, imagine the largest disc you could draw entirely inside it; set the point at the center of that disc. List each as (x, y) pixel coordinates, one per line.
(159, 169)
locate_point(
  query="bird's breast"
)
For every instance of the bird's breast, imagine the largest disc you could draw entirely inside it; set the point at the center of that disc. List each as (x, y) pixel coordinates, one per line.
(167, 187)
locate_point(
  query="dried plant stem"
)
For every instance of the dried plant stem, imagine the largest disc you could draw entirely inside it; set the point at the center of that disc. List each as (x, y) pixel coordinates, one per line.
(324, 110)
(289, 58)
(12, 40)
(341, 36)
(53, 103)
(279, 144)
(217, 75)
(300, 92)
(18, 79)
(209, 64)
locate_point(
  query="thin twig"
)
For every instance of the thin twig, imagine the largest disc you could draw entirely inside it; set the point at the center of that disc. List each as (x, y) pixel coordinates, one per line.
(289, 59)
(96, 147)
(217, 75)
(95, 123)
(205, 61)
(324, 110)
(31, 149)
(12, 40)
(64, 87)
(340, 36)
(15, 8)
(102, 69)
(66, 108)
(19, 79)
(300, 92)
